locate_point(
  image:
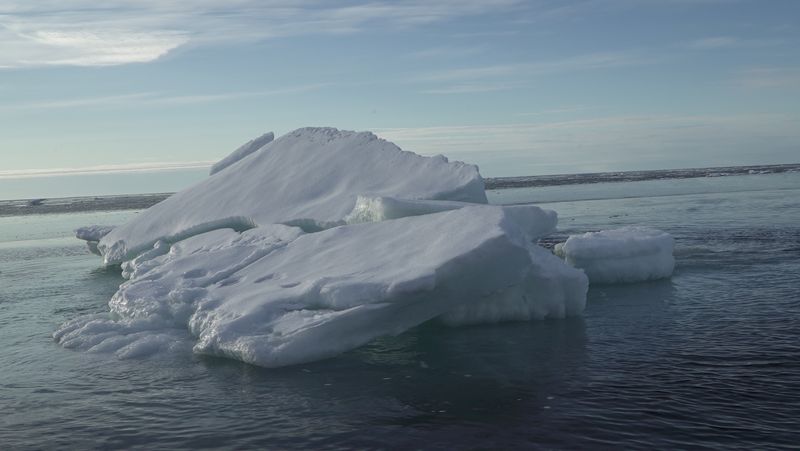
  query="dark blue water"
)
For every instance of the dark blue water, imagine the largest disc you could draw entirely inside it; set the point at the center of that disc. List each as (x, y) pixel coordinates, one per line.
(707, 359)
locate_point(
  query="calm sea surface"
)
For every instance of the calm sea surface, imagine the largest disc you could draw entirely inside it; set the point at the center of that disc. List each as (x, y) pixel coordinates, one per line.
(707, 359)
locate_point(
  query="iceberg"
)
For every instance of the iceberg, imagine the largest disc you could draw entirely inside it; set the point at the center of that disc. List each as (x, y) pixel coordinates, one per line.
(627, 254)
(301, 248)
(310, 177)
(275, 296)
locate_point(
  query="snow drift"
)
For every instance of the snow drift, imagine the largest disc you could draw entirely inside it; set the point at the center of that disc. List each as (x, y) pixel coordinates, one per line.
(627, 254)
(316, 243)
(310, 177)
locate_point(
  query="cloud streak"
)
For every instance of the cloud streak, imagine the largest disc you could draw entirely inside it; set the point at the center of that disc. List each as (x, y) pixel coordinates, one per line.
(589, 61)
(770, 77)
(115, 32)
(506, 76)
(105, 169)
(731, 42)
(145, 99)
(608, 143)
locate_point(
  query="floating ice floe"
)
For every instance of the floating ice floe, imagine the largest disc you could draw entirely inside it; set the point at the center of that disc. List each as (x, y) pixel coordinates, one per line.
(627, 254)
(317, 243)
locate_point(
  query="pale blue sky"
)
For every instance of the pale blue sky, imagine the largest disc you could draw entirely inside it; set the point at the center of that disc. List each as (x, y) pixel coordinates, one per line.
(518, 87)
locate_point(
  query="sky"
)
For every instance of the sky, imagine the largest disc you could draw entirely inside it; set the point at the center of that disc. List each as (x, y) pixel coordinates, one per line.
(517, 87)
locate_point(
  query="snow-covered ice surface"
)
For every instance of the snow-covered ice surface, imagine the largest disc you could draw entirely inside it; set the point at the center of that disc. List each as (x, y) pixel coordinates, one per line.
(535, 222)
(316, 243)
(275, 296)
(310, 177)
(627, 254)
(243, 151)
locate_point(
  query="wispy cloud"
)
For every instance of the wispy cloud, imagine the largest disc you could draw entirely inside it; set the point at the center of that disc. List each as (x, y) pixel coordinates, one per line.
(471, 73)
(614, 143)
(770, 77)
(575, 63)
(91, 33)
(25, 45)
(86, 102)
(105, 169)
(561, 110)
(573, 10)
(468, 88)
(154, 99)
(225, 96)
(730, 42)
(506, 76)
(714, 43)
(448, 52)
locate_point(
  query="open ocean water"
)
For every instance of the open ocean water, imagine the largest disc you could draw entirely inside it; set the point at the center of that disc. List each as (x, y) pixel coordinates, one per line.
(707, 359)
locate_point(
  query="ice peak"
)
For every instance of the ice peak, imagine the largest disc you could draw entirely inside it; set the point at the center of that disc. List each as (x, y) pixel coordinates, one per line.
(310, 176)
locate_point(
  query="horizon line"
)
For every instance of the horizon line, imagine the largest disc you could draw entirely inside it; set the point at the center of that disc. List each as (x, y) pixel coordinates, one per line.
(105, 169)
